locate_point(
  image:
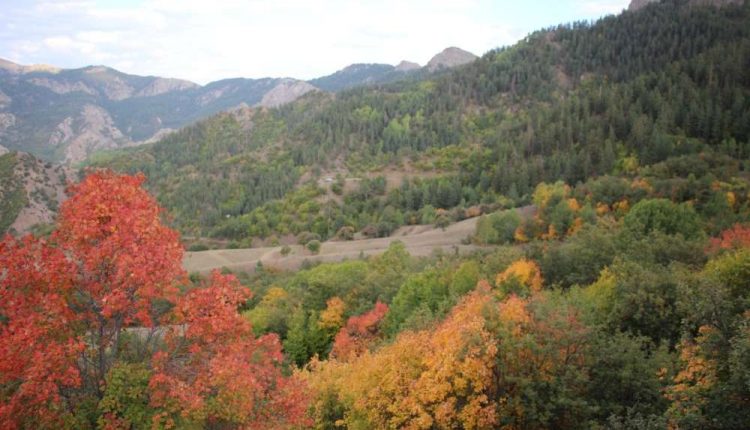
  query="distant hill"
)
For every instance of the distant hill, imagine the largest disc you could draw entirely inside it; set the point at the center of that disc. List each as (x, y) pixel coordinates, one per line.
(359, 74)
(65, 115)
(356, 75)
(30, 191)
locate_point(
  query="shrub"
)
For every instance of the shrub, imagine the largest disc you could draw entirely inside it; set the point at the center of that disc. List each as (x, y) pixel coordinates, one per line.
(198, 246)
(663, 216)
(313, 246)
(305, 237)
(345, 233)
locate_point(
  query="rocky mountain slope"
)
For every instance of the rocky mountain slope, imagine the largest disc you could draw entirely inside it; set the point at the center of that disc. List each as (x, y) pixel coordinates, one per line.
(30, 191)
(372, 74)
(66, 115)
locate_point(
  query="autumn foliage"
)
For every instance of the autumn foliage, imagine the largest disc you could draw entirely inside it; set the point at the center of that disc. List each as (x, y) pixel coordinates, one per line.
(39, 345)
(359, 333)
(734, 238)
(214, 371)
(524, 272)
(472, 371)
(110, 267)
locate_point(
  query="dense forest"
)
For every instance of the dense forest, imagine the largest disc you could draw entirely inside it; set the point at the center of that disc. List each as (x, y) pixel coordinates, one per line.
(610, 288)
(572, 103)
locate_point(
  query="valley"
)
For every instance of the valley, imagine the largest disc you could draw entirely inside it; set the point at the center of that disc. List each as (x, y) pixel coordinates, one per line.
(553, 235)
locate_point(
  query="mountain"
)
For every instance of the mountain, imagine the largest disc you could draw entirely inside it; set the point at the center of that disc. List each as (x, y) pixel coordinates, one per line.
(286, 91)
(30, 191)
(450, 57)
(638, 4)
(359, 74)
(65, 115)
(622, 97)
(407, 66)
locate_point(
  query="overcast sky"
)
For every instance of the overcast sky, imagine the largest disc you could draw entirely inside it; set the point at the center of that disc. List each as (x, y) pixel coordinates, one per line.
(207, 40)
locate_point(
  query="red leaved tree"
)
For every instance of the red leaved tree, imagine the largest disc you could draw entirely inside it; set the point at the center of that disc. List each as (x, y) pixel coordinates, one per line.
(111, 266)
(38, 342)
(124, 259)
(216, 372)
(359, 332)
(734, 238)
(66, 302)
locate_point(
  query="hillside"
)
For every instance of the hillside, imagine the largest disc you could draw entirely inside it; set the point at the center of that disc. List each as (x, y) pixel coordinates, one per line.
(67, 114)
(659, 92)
(359, 74)
(418, 241)
(30, 190)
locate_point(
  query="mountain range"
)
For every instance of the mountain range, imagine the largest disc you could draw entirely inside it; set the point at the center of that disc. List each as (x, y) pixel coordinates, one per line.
(67, 114)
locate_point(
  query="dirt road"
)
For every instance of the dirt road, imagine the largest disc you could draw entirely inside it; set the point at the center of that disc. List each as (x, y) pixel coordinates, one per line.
(420, 240)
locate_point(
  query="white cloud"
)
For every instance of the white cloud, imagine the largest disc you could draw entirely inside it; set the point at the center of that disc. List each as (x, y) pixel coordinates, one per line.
(603, 7)
(208, 40)
(58, 42)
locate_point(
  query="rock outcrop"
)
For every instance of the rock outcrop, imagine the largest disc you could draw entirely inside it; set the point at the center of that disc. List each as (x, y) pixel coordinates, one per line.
(450, 57)
(285, 92)
(165, 85)
(407, 66)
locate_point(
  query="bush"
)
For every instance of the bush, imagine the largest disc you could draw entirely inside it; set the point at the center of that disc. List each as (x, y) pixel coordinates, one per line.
(198, 246)
(443, 221)
(498, 228)
(337, 189)
(286, 250)
(313, 246)
(306, 237)
(663, 216)
(345, 233)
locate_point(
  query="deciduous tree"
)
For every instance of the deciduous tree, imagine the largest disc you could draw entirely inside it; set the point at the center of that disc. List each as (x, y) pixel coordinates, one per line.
(214, 371)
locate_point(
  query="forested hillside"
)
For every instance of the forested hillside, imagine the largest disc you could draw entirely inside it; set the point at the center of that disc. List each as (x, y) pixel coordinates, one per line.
(659, 93)
(608, 286)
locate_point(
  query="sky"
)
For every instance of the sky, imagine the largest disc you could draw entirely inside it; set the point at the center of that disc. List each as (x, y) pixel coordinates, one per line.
(208, 40)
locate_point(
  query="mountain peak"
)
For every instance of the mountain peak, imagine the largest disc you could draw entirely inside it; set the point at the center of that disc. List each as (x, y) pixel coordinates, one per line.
(450, 57)
(406, 66)
(21, 69)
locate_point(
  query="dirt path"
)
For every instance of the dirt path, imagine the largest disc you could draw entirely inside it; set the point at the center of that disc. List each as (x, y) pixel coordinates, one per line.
(420, 240)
